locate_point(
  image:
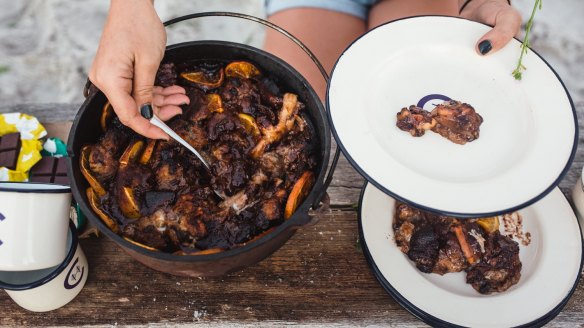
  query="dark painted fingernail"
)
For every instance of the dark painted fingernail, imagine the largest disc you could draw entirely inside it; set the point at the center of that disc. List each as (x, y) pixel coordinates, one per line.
(146, 111)
(184, 103)
(485, 46)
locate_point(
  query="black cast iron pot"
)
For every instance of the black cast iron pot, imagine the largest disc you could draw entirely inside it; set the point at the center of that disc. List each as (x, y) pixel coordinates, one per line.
(86, 130)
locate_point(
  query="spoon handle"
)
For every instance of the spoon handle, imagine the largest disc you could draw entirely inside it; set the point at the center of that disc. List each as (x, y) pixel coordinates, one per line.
(148, 114)
(159, 123)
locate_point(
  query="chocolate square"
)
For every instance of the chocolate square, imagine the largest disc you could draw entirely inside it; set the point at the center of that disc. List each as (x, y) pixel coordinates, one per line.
(10, 141)
(9, 159)
(61, 172)
(62, 180)
(41, 178)
(50, 170)
(9, 150)
(43, 167)
(61, 168)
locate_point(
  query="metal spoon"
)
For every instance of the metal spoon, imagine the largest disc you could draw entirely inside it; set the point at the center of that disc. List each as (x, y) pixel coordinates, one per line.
(148, 114)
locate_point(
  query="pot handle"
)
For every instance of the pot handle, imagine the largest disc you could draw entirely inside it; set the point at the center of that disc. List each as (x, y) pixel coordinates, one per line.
(89, 89)
(259, 21)
(322, 196)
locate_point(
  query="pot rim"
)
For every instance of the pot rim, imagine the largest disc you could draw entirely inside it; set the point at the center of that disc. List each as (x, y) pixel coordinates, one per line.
(34, 187)
(298, 219)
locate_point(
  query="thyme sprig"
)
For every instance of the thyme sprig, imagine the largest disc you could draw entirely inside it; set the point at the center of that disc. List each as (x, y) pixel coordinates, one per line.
(517, 72)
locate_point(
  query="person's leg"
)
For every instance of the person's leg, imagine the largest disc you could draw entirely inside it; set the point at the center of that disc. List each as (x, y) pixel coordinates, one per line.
(325, 32)
(388, 10)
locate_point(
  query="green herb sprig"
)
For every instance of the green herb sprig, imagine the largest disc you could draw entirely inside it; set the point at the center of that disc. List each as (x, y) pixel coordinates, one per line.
(517, 72)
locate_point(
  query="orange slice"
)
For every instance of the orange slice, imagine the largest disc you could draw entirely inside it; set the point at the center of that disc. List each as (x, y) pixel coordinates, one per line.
(131, 153)
(214, 103)
(241, 69)
(490, 224)
(95, 206)
(106, 115)
(204, 80)
(86, 171)
(298, 193)
(203, 252)
(249, 123)
(209, 251)
(128, 203)
(140, 245)
(147, 154)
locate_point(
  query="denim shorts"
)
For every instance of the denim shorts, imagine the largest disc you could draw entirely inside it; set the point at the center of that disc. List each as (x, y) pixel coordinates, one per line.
(358, 8)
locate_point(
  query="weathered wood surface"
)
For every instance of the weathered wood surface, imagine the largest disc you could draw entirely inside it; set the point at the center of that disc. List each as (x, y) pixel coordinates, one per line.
(320, 277)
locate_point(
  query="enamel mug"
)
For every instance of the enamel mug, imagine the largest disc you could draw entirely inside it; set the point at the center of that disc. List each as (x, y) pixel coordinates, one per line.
(49, 289)
(34, 219)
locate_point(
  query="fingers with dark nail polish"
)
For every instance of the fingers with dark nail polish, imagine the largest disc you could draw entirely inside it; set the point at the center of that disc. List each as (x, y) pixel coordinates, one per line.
(485, 46)
(146, 111)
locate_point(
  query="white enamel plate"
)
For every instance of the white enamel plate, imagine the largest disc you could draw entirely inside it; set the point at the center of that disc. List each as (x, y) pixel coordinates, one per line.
(527, 140)
(551, 265)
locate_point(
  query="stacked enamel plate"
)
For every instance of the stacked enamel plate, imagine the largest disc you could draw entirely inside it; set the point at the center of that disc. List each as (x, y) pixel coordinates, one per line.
(527, 142)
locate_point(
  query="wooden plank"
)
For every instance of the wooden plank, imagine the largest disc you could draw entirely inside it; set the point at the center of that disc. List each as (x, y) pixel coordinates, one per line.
(46, 113)
(58, 130)
(319, 277)
(319, 262)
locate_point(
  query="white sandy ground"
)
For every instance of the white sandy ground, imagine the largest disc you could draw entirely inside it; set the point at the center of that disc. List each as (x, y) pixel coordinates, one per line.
(46, 46)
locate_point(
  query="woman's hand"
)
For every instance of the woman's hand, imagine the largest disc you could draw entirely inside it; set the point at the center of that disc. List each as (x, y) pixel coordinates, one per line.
(130, 50)
(498, 13)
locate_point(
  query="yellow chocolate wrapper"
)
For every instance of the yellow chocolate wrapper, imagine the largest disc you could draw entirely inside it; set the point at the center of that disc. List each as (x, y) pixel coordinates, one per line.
(31, 130)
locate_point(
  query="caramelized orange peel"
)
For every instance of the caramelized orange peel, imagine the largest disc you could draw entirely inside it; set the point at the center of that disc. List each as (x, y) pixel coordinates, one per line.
(94, 203)
(131, 153)
(106, 116)
(140, 244)
(249, 123)
(298, 193)
(464, 245)
(148, 151)
(128, 203)
(490, 224)
(86, 171)
(204, 80)
(214, 103)
(241, 69)
(203, 252)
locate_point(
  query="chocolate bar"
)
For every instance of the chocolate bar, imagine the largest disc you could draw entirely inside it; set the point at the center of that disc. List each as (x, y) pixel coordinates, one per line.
(50, 170)
(9, 150)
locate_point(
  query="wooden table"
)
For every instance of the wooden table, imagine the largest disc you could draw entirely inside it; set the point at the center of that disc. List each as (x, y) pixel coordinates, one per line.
(320, 277)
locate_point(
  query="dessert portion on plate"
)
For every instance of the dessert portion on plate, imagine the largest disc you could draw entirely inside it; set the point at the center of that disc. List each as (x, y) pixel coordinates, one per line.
(442, 244)
(454, 120)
